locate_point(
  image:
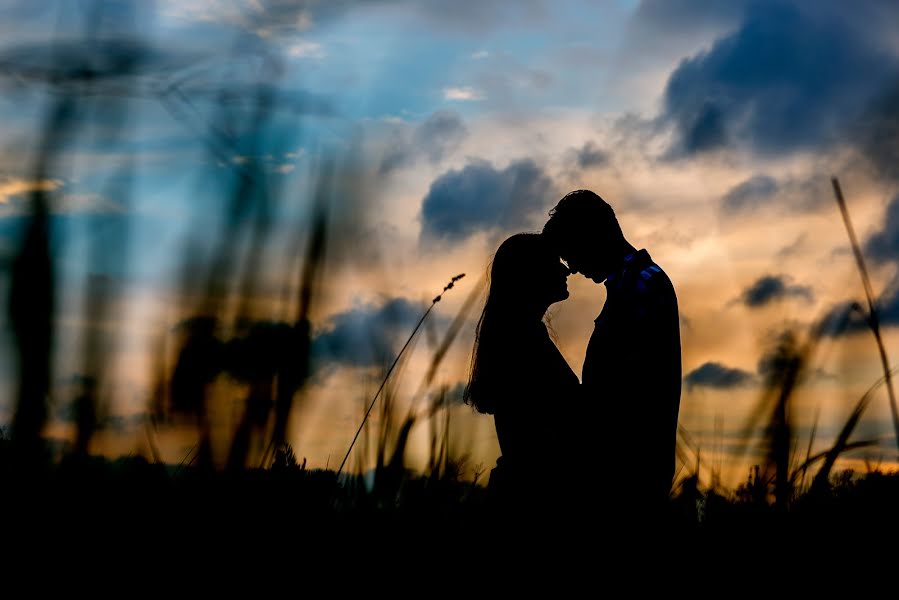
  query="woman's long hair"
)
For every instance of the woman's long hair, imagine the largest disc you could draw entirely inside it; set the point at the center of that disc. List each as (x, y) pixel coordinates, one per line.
(509, 302)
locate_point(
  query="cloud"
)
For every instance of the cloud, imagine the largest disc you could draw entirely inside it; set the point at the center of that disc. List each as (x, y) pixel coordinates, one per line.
(755, 191)
(667, 16)
(436, 137)
(480, 55)
(849, 316)
(589, 156)
(790, 77)
(770, 288)
(480, 197)
(877, 132)
(809, 193)
(718, 376)
(883, 246)
(439, 134)
(366, 336)
(841, 319)
(462, 94)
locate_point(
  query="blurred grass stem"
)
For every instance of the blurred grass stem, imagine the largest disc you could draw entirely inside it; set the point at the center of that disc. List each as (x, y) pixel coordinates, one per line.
(434, 302)
(873, 320)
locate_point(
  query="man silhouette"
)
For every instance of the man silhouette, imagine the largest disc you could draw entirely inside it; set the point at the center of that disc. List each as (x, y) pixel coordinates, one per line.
(631, 378)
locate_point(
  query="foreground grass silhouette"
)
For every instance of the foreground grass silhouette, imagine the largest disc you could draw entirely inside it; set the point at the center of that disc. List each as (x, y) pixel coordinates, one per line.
(96, 495)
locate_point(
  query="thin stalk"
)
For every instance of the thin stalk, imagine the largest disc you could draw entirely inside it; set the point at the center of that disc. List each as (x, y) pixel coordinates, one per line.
(390, 370)
(873, 320)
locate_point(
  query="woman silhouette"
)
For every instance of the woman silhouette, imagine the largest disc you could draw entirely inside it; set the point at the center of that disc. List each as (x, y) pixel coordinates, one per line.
(517, 373)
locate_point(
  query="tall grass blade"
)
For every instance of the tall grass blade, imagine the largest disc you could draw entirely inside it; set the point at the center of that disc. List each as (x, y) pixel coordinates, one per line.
(873, 319)
(392, 366)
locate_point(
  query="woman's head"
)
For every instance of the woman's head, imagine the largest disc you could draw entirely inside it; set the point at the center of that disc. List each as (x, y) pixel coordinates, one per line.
(526, 277)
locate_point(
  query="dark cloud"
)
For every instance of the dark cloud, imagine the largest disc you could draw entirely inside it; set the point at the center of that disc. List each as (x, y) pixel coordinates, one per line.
(718, 376)
(883, 246)
(841, 319)
(480, 197)
(440, 133)
(785, 195)
(851, 316)
(770, 288)
(436, 137)
(706, 129)
(589, 156)
(677, 17)
(790, 77)
(367, 335)
(398, 154)
(755, 191)
(877, 133)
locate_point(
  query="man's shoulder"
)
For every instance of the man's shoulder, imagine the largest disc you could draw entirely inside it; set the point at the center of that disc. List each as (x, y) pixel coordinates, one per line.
(650, 273)
(647, 277)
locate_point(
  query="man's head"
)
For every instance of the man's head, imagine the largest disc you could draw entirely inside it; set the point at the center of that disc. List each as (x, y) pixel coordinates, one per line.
(584, 231)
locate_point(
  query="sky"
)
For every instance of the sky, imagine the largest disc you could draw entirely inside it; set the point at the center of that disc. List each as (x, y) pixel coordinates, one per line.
(435, 130)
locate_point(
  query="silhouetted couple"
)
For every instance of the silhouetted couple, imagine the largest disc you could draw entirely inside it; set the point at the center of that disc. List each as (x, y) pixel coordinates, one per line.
(603, 447)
